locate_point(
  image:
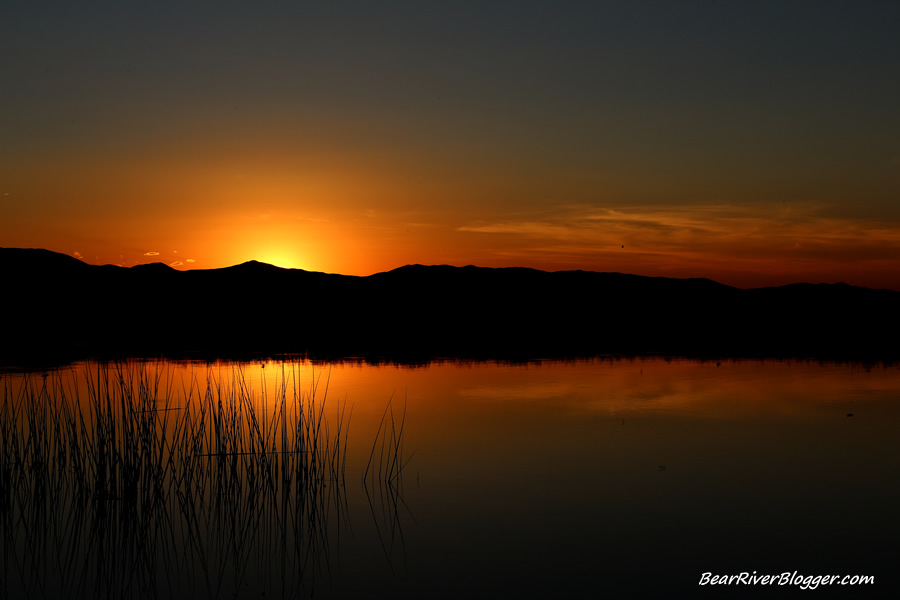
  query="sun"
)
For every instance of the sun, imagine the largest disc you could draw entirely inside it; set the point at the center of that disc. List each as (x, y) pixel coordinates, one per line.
(281, 258)
(284, 255)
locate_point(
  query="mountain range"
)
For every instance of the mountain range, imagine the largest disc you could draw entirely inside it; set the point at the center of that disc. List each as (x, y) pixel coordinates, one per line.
(56, 305)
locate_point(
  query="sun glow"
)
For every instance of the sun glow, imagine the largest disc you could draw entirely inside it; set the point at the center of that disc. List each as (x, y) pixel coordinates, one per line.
(285, 259)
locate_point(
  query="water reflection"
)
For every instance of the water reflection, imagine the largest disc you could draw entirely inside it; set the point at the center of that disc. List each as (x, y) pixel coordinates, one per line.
(148, 488)
(383, 485)
(606, 476)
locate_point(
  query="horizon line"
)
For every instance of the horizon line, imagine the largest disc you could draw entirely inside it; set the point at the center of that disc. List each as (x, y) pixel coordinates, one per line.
(259, 262)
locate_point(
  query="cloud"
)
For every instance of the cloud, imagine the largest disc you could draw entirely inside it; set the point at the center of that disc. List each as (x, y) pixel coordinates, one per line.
(177, 263)
(663, 227)
(77, 255)
(702, 240)
(528, 228)
(151, 253)
(190, 260)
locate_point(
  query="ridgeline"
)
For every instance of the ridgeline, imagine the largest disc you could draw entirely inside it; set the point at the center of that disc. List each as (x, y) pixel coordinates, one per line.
(55, 306)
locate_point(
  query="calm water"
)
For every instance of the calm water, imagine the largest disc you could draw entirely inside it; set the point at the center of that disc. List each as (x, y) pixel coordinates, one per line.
(549, 479)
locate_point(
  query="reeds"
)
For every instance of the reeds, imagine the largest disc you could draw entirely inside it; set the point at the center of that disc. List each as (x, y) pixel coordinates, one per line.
(148, 488)
(384, 472)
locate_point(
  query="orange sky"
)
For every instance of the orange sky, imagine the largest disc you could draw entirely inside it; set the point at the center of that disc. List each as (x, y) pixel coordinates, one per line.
(359, 141)
(365, 220)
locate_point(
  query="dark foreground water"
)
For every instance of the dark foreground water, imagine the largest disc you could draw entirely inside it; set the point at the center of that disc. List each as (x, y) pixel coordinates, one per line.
(617, 478)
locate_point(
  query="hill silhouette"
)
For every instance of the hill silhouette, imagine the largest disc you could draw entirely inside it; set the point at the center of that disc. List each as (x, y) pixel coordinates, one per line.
(56, 305)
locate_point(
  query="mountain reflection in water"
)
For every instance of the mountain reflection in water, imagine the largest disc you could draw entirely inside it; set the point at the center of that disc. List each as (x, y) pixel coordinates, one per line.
(612, 475)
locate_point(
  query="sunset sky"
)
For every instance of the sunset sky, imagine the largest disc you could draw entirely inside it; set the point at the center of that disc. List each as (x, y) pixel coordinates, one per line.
(755, 143)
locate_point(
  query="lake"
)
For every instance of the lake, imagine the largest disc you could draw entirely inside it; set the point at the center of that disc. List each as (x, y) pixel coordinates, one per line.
(608, 476)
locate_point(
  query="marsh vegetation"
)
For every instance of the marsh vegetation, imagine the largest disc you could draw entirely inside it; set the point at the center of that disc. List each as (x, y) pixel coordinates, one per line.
(134, 483)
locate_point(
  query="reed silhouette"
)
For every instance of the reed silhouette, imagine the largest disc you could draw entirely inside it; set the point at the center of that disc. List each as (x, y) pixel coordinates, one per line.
(384, 472)
(146, 489)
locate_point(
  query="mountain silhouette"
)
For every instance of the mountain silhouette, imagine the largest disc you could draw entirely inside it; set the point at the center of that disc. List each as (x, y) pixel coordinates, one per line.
(55, 305)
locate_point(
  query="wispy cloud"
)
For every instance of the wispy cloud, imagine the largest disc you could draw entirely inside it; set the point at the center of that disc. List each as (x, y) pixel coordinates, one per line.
(77, 255)
(703, 240)
(698, 227)
(527, 228)
(190, 260)
(151, 253)
(177, 263)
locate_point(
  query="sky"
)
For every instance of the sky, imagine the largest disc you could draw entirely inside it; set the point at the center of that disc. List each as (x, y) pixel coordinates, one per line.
(754, 143)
